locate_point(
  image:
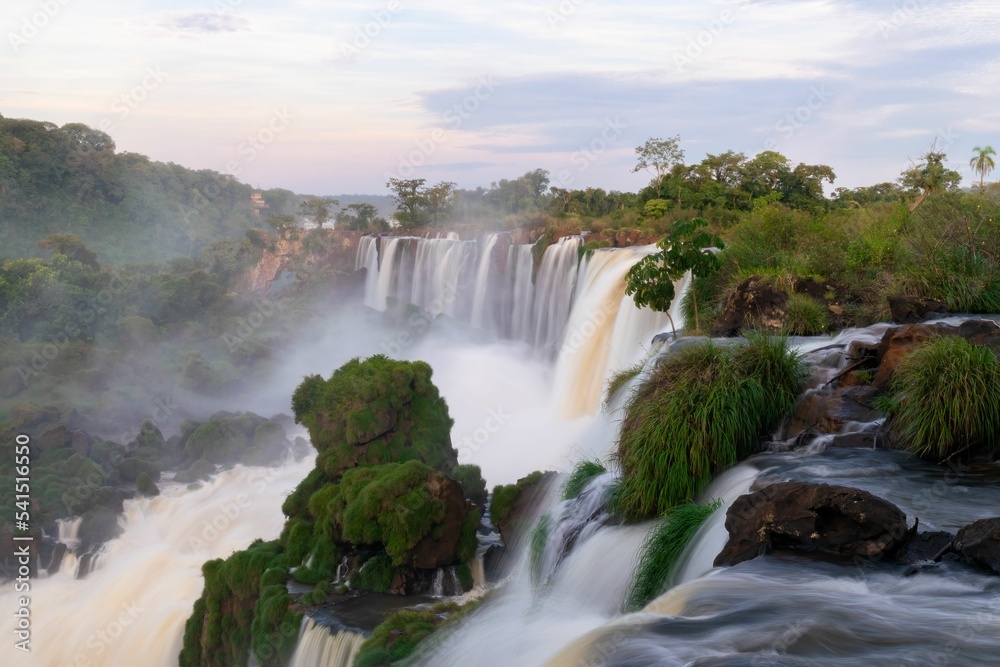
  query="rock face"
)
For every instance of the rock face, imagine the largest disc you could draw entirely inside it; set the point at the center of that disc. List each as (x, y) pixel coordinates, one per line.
(817, 518)
(529, 492)
(439, 548)
(829, 409)
(979, 544)
(752, 304)
(909, 310)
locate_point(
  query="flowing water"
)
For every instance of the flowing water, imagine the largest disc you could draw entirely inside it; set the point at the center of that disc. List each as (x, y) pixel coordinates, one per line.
(523, 381)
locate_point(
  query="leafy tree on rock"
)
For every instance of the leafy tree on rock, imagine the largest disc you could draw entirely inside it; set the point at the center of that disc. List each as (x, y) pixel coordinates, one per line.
(686, 248)
(318, 209)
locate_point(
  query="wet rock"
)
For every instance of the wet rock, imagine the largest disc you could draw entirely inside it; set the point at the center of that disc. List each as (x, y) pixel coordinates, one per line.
(753, 304)
(439, 548)
(516, 513)
(924, 547)
(496, 563)
(979, 544)
(146, 487)
(828, 409)
(909, 310)
(825, 520)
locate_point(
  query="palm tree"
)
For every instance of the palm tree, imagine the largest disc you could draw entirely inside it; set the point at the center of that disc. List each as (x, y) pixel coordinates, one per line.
(982, 163)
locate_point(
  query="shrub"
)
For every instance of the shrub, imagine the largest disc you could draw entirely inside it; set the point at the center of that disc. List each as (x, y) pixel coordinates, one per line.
(580, 477)
(948, 393)
(700, 411)
(375, 575)
(804, 316)
(661, 550)
(473, 484)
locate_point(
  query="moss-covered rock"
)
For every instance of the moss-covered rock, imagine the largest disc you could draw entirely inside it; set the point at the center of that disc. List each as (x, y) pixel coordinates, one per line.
(513, 506)
(144, 484)
(471, 479)
(373, 412)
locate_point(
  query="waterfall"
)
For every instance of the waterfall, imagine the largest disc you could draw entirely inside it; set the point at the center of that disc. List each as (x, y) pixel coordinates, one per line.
(606, 332)
(554, 292)
(520, 274)
(480, 308)
(319, 647)
(368, 259)
(387, 273)
(131, 607)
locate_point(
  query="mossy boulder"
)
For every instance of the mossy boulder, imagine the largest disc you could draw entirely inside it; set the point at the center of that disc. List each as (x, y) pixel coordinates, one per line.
(236, 437)
(144, 484)
(471, 479)
(514, 507)
(133, 467)
(200, 470)
(374, 412)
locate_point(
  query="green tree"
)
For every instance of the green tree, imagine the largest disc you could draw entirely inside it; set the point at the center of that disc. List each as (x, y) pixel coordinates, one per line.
(281, 223)
(982, 163)
(410, 200)
(439, 200)
(659, 157)
(686, 248)
(318, 209)
(362, 217)
(929, 176)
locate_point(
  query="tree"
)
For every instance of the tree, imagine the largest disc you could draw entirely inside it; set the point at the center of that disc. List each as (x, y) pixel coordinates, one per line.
(929, 176)
(982, 163)
(318, 209)
(361, 216)
(410, 200)
(281, 223)
(659, 156)
(72, 247)
(686, 248)
(439, 200)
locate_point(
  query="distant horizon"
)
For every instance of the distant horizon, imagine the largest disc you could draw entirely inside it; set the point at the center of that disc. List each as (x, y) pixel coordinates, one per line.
(319, 99)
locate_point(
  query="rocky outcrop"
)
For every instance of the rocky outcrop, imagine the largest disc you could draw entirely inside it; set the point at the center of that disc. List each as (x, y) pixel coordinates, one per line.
(753, 304)
(311, 250)
(829, 409)
(909, 309)
(827, 521)
(441, 546)
(979, 544)
(898, 342)
(514, 507)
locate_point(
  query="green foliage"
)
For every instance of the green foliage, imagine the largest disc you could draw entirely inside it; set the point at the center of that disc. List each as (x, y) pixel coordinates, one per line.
(587, 249)
(619, 380)
(582, 474)
(699, 412)
(375, 411)
(375, 574)
(471, 479)
(505, 496)
(948, 392)
(465, 578)
(804, 316)
(468, 539)
(651, 281)
(399, 634)
(662, 549)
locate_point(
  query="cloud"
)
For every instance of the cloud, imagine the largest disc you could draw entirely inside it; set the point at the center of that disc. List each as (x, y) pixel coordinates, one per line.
(203, 23)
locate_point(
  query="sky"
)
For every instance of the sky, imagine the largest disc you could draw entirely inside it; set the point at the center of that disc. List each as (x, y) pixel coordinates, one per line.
(337, 97)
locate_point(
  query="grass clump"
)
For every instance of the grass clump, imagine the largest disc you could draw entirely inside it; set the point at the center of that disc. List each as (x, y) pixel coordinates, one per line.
(948, 393)
(619, 380)
(805, 316)
(580, 477)
(661, 550)
(700, 411)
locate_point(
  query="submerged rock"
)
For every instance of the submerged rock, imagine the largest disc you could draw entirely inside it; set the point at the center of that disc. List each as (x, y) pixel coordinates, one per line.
(815, 518)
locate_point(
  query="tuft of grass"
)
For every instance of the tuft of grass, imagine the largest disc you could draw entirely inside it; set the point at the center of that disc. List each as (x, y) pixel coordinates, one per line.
(699, 412)
(580, 477)
(949, 398)
(536, 544)
(805, 316)
(619, 380)
(661, 550)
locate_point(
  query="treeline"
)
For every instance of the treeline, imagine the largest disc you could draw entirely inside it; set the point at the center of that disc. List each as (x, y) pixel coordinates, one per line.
(126, 207)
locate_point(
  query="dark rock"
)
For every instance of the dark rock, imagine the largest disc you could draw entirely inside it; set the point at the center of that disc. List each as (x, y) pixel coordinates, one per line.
(55, 438)
(910, 310)
(497, 563)
(816, 518)
(925, 546)
(132, 467)
(753, 304)
(146, 486)
(438, 549)
(525, 510)
(97, 526)
(109, 498)
(828, 409)
(857, 440)
(979, 544)
(80, 442)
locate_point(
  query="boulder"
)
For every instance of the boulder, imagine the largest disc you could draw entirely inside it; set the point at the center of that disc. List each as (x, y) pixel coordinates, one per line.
(54, 438)
(925, 546)
(753, 304)
(979, 544)
(80, 442)
(515, 507)
(909, 309)
(898, 342)
(440, 547)
(824, 520)
(828, 409)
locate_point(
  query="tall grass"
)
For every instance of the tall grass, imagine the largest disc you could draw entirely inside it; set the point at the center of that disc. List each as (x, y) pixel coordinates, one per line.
(805, 316)
(662, 549)
(699, 412)
(581, 476)
(949, 398)
(619, 380)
